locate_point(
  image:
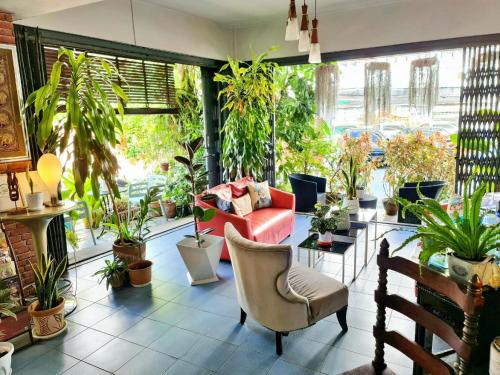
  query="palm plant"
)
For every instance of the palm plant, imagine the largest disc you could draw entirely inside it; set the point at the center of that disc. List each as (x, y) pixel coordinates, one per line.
(113, 272)
(350, 175)
(47, 275)
(466, 236)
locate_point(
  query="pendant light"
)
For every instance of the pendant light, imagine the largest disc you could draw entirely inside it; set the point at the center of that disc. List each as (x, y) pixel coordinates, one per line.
(292, 24)
(315, 51)
(304, 41)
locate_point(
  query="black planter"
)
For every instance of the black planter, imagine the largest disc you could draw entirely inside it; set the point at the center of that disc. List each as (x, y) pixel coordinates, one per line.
(429, 189)
(183, 211)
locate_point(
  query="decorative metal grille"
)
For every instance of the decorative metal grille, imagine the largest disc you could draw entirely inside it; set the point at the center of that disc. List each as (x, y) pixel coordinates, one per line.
(478, 149)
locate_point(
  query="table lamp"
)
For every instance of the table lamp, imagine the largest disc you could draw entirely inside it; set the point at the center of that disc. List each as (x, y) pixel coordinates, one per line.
(50, 171)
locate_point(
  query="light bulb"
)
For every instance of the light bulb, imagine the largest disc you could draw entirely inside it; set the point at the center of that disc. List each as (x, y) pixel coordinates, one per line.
(315, 54)
(292, 29)
(304, 42)
(49, 169)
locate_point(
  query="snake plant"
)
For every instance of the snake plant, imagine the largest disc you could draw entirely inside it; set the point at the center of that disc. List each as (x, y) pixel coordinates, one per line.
(350, 175)
(465, 235)
(47, 275)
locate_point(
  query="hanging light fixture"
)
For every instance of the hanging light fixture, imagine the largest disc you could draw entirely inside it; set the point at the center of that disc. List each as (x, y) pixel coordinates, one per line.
(315, 51)
(304, 41)
(292, 24)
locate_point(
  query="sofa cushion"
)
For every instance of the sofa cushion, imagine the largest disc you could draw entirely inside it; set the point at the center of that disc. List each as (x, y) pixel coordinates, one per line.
(240, 187)
(271, 225)
(242, 206)
(260, 194)
(325, 295)
(224, 194)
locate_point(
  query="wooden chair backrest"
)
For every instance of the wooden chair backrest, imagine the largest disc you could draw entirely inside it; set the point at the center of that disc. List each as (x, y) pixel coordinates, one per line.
(469, 300)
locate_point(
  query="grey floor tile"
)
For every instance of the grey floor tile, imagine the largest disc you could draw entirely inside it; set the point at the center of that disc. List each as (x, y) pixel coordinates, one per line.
(305, 353)
(113, 355)
(117, 323)
(248, 362)
(95, 293)
(169, 291)
(229, 330)
(201, 322)
(221, 305)
(340, 360)
(185, 368)
(359, 318)
(285, 368)
(193, 297)
(171, 313)
(325, 332)
(209, 353)
(82, 368)
(261, 339)
(362, 301)
(147, 362)
(358, 341)
(91, 315)
(175, 342)
(71, 331)
(145, 332)
(23, 357)
(51, 362)
(85, 343)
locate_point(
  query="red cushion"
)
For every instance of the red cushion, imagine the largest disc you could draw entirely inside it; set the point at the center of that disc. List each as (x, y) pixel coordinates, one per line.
(223, 191)
(271, 225)
(240, 187)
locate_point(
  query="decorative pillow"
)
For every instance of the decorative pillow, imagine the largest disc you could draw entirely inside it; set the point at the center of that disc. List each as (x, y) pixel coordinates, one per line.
(240, 187)
(242, 206)
(260, 195)
(224, 195)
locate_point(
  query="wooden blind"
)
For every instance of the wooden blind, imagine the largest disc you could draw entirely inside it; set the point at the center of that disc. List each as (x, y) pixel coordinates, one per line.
(479, 122)
(148, 84)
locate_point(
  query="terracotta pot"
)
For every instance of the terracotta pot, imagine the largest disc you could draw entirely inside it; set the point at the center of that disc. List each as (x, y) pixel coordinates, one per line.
(390, 206)
(47, 322)
(155, 209)
(165, 166)
(117, 280)
(129, 253)
(140, 273)
(168, 208)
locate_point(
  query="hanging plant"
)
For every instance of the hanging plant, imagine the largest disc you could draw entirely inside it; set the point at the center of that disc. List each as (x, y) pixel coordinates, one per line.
(249, 91)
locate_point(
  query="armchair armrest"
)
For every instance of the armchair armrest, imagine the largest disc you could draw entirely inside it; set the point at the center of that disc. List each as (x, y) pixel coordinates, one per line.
(282, 199)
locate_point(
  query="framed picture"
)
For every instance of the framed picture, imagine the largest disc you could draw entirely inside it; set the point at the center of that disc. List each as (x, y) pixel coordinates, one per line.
(38, 185)
(13, 132)
(5, 202)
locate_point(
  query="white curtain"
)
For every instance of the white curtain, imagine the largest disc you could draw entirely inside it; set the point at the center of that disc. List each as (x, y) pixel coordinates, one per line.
(377, 92)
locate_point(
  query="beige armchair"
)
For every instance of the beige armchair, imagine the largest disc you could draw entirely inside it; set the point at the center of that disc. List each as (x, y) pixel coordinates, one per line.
(281, 296)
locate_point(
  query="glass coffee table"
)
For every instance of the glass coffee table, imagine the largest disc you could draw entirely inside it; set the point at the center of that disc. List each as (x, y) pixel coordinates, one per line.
(343, 241)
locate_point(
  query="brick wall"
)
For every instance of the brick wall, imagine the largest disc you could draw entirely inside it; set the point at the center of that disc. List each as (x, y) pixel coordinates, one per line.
(18, 234)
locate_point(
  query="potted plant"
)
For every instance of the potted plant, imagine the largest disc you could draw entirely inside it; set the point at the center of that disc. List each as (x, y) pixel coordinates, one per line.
(130, 244)
(139, 273)
(114, 272)
(350, 175)
(47, 311)
(164, 166)
(324, 224)
(201, 252)
(34, 199)
(6, 348)
(341, 214)
(465, 238)
(390, 202)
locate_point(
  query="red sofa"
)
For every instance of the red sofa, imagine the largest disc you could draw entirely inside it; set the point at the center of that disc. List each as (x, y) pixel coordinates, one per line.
(268, 225)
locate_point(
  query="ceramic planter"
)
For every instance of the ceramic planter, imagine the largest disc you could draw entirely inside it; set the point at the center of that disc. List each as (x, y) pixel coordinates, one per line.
(165, 166)
(390, 206)
(462, 270)
(140, 273)
(34, 201)
(325, 238)
(6, 360)
(201, 263)
(168, 209)
(47, 323)
(352, 205)
(129, 253)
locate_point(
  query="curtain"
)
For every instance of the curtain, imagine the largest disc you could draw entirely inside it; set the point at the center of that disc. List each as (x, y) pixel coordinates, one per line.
(33, 76)
(423, 90)
(377, 92)
(327, 80)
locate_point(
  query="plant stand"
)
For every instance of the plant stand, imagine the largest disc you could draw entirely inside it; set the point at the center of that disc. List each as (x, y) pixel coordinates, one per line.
(201, 262)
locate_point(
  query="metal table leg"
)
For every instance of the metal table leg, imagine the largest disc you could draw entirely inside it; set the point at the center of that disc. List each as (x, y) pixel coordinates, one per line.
(355, 256)
(366, 242)
(343, 267)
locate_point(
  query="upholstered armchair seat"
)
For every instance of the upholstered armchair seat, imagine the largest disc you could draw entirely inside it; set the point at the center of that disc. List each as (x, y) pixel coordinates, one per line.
(281, 296)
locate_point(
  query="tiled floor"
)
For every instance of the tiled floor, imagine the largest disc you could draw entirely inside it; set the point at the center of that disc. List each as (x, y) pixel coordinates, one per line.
(171, 328)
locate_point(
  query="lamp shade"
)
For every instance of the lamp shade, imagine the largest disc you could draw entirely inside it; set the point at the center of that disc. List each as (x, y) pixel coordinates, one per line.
(292, 24)
(315, 52)
(49, 169)
(304, 42)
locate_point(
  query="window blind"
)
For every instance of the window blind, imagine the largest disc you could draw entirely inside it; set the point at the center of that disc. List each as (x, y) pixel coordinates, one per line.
(149, 84)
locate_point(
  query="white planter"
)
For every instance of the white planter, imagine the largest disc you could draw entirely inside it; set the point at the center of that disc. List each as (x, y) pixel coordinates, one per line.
(6, 360)
(326, 237)
(463, 270)
(352, 205)
(201, 262)
(34, 202)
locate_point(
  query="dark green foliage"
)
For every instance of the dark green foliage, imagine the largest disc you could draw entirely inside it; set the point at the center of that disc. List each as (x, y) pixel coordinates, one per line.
(47, 275)
(113, 270)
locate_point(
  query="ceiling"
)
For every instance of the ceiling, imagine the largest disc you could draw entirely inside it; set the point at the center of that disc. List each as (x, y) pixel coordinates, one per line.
(231, 13)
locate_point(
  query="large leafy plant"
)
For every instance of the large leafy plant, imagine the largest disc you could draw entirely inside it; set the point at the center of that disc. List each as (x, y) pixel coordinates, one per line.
(249, 100)
(195, 173)
(322, 220)
(465, 235)
(47, 274)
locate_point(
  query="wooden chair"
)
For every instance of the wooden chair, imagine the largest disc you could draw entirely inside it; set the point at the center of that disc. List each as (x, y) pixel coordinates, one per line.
(470, 301)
